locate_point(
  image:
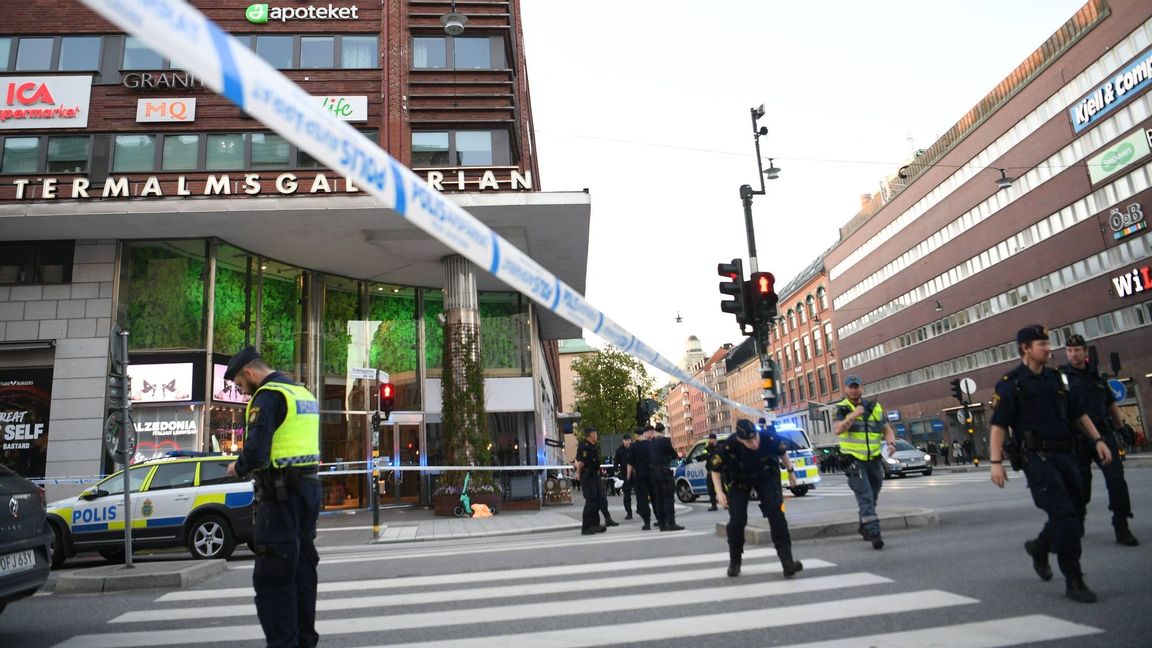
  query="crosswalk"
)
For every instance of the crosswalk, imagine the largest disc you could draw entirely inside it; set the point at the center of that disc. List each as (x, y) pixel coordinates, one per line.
(541, 603)
(837, 487)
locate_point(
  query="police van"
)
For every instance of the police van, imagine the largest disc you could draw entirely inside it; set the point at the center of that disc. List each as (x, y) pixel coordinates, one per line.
(176, 502)
(692, 473)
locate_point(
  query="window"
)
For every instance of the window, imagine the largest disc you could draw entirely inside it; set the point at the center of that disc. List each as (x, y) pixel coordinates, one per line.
(137, 56)
(828, 336)
(460, 148)
(68, 154)
(472, 53)
(114, 485)
(36, 262)
(181, 152)
(807, 348)
(791, 319)
(833, 378)
(173, 475)
(21, 155)
(358, 52)
(796, 352)
(811, 307)
(800, 313)
(811, 385)
(791, 390)
(800, 389)
(430, 52)
(269, 151)
(817, 348)
(277, 50)
(224, 152)
(5, 52)
(822, 297)
(823, 381)
(79, 53)
(134, 153)
(34, 54)
(317, 52)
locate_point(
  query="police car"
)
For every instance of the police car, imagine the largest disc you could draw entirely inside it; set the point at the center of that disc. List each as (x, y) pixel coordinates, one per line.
(692, 473)
(176, 502)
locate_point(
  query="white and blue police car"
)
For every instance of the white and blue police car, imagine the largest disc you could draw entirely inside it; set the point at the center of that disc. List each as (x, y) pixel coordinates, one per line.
(692, 473)
(176, 502)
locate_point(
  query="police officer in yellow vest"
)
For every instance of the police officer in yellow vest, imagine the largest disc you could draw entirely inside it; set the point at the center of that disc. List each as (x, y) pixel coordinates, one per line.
(862, 428)
(281, 454)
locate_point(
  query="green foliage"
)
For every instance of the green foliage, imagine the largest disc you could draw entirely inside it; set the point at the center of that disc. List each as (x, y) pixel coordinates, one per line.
(394, 347)
(228, 320)
(605, 384)
(165, 299)
(465, 423)
(278, 322)
(503, 333)
(340, 306)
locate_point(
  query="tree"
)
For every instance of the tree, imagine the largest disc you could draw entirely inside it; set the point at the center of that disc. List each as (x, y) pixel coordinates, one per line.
(606, 382)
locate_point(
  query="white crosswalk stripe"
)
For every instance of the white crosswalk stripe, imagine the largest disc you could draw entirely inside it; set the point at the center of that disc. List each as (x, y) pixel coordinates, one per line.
(366, 610)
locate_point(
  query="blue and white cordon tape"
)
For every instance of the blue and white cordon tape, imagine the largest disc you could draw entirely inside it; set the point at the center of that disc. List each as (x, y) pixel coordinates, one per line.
(194, 43)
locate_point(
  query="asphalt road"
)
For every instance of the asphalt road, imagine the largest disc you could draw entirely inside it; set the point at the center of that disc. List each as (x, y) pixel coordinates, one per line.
(966, 583)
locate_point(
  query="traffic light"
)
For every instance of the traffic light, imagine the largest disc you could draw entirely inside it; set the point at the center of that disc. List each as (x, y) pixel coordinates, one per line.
(387, 398)
(764, 299)
(956, 392)
(768, 385)
(734, 287)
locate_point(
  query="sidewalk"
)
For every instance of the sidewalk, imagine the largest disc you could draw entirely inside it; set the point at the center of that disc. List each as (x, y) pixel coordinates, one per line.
(416, 524)
(834, 523)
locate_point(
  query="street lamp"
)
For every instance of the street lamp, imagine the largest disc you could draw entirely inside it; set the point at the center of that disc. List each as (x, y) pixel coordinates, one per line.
(453, 22)
(773, 171)
(1004, 181)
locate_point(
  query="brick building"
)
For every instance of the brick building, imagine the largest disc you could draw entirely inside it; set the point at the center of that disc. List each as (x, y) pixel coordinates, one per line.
(131, 195)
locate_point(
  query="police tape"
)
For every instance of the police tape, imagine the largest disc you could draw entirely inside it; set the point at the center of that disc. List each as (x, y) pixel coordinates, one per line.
(341, 468)
(184, 35)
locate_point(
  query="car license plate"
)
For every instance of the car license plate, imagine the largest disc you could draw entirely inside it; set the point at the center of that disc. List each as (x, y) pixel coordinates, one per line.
(17, 562)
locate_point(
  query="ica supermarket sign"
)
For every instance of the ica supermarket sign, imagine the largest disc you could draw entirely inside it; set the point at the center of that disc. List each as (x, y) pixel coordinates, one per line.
(44, 102)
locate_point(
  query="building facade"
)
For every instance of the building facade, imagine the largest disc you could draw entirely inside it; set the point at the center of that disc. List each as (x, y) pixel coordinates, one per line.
(132, 196)
(1031, 209)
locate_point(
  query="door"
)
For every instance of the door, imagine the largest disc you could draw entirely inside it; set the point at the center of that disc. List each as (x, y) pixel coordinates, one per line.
(100, 519)
(400, 446)
(164, 503)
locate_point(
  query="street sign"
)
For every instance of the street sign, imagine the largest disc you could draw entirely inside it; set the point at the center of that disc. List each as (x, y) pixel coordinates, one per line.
(968, 386)
(960, 418)
(112, 435)
(1119, 390)
(365, 373)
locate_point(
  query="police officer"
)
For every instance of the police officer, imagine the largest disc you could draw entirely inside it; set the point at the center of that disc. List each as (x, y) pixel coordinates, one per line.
(862, 426)
(1032, 402)
(663, 481)
(281, 453)
(588, 468)
(747, 460)
(1086, 383)
(639, 474)
(707, 458)
(621, 460)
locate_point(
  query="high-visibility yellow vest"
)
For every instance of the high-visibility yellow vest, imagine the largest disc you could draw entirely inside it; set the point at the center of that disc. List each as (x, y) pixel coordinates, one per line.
(297, 441)
(858, 443)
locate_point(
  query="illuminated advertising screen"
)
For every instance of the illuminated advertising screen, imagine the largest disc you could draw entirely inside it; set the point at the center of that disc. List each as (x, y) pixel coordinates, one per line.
(225, 390)
(161, 383)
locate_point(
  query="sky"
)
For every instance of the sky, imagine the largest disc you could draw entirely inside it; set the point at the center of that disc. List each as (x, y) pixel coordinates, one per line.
(646, 104)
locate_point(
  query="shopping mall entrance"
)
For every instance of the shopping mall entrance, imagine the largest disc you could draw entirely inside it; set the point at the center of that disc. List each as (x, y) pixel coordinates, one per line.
(401, 445)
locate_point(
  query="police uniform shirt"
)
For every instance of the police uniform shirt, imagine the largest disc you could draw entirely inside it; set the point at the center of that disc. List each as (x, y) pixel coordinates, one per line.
(1090, 388)
(266, 413)
(589, 454)
(1027, 401)
(661, 452)
(621, 460)
(639, 457)
(749, 465)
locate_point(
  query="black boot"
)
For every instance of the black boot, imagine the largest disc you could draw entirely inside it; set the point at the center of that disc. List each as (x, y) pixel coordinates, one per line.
(1078, 591)
(791, 567)
(877, 541)
(587, 531)
(1039, 560)
(628, 517)
(1124, 534)
(734, 566)
(609, 522)
(863, 532)
(647, 526)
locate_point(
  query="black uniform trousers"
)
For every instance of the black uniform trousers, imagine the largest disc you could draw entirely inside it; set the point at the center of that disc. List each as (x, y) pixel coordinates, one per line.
(711, 489)
(1119, 501)
(1054, 479)
(604, 500)
(593, 490)
(627, 490)
(771, 506)
(640, 485)
(663, 487)
(284, 576)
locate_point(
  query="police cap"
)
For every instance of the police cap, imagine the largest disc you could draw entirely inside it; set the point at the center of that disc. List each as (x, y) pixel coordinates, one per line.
(853, 379)
(1076, 340)
(239, 361)
(590, 430)
(659, 427)
(712, 435)
(1031, 334)
(746, 429)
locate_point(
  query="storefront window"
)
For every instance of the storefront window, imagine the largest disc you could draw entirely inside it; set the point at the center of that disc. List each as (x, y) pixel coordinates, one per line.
(134, 153)
(504, 344)
(433, 331)
(181, 152)
(164, 295)
(281, 316)
(236, 276)
(394, 347)
(225, 152)
(68, 154)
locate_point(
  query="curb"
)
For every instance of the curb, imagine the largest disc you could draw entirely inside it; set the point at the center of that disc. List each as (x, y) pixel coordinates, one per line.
(116, 578)
(757, 532)
(482, 534)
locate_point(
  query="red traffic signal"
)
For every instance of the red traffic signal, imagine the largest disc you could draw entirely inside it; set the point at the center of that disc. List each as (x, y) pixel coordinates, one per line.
(387, 397)
(763, 283)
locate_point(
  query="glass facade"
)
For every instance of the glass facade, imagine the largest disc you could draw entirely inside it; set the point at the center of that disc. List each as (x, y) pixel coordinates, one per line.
(317, 328)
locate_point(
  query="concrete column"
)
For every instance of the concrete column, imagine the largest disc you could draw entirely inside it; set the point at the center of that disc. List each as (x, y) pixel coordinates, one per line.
(462, 336)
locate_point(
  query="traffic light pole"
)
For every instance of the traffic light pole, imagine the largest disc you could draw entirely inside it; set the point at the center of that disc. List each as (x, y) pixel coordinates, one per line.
(746, 194)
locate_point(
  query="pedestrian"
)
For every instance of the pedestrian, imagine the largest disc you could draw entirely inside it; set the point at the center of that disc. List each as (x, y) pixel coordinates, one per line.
(591, 487)
(969, 452)
(1032, 404)
(663, 480)
(708, 478)
(282, 455)
(932, 449)
(639, 473)
(750, 460)
(946, 452)
(621, 460)
(862, 426)
(1086, 384)
(957, 452)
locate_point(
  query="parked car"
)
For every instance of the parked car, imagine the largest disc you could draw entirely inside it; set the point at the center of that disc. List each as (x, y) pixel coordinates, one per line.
(907, 459)
(176, 502)
(24, 538)
(691, 473)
